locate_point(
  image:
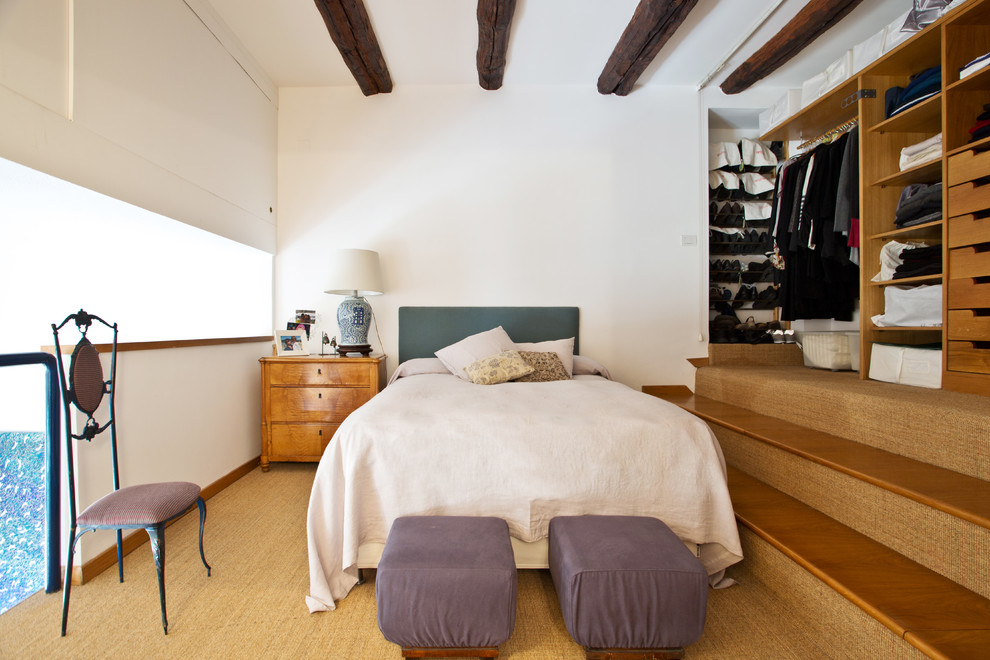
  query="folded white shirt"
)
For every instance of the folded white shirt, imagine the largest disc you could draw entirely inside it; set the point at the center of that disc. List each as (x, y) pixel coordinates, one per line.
(974, 66)
(921, 146)
(922, 152)
(932, 153)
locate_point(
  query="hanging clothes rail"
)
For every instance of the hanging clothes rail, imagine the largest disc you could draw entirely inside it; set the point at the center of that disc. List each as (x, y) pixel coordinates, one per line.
(828, 136)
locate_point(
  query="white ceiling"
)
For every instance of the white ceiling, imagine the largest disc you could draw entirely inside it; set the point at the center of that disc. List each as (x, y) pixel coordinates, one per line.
(553, 42)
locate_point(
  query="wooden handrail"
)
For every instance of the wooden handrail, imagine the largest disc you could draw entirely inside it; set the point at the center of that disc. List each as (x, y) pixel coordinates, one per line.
(168, 343)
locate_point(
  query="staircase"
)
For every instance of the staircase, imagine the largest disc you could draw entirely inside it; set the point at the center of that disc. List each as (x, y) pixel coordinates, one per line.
(863, 506)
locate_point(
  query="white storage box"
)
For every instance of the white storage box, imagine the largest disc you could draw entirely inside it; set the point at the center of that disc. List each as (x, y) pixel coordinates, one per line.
(786, 105)
(868, 51)
(893, 37)
(829, 350)
(907, 365)
(765, 117)
(838, 72)
(853, 350)
(911, 306)
(812, 89)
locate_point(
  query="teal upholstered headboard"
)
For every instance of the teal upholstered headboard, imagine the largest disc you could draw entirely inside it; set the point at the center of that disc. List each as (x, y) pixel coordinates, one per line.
(425, 330)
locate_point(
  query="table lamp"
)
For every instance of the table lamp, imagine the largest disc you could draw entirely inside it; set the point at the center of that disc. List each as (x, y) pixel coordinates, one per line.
(355, 274)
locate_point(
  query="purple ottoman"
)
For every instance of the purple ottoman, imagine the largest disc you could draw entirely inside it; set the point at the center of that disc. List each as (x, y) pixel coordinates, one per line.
(447, 583)
(625, 583)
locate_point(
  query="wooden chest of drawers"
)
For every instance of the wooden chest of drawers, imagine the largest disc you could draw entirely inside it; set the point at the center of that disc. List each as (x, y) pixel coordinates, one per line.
(967, 294)
(304, 400)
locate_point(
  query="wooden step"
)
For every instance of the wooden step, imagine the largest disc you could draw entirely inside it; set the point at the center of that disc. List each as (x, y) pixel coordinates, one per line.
(957, 494)
(929, 611)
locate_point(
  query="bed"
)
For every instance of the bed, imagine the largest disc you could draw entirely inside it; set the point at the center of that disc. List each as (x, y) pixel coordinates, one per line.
(435, 443)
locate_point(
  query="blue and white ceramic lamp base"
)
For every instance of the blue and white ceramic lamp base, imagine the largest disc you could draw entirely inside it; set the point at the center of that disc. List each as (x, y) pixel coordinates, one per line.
(354, 321)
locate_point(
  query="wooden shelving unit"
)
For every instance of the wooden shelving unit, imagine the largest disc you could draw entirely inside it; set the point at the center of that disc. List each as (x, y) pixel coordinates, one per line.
(964, 167)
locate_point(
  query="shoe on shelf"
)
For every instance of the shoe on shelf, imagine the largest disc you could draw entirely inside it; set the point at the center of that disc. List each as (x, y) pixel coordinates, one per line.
(748, 324)
(766, 299)
(783, 336)
(746, 293)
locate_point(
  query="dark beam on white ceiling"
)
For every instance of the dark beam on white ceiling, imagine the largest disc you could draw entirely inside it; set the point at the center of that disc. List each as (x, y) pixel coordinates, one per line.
(652, 24)
(811, 22)
(494, 23)
(351, 31)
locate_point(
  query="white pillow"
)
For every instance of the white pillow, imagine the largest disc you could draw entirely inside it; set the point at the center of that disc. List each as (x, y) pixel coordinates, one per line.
(417, 367)
(564, 348)
(470, 349)
(586, 366)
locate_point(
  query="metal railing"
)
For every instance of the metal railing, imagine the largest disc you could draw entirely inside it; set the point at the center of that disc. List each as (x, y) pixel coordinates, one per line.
(52, 493)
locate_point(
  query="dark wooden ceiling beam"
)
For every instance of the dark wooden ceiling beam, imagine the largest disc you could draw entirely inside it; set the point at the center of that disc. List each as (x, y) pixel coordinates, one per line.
(652, 24)
(351, 31)
(494, 23)
(811, 22)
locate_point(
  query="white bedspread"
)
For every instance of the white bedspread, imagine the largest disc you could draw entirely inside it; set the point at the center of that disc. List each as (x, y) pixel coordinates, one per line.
(524, 452)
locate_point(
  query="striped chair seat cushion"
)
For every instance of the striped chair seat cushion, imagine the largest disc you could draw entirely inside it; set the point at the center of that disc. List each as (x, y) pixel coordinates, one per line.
(146, 504)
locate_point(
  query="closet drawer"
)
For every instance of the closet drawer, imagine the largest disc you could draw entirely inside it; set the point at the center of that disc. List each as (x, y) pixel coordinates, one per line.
(968, 230)
(967, 293)
(316, 404)
(968, 356)
(969, 262)
(320, 373)
(969, 198)
(302, 441)
(967, 166)
(967, 324)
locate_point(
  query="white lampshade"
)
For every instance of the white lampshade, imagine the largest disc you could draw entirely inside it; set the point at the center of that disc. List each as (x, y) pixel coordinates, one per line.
(354, 270)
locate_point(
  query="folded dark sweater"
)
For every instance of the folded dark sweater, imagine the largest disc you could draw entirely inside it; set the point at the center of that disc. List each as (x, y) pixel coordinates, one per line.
(922, 85)
(921, 253)
(917, 200)
(980, 133)
(917, 271)
(920, 220)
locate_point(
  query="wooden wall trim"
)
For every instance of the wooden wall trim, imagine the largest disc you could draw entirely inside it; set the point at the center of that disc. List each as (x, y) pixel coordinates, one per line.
(168, 343)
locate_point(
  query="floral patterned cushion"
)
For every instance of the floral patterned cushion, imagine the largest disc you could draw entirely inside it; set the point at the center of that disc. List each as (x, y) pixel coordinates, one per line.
(546, 367)
(495, 369)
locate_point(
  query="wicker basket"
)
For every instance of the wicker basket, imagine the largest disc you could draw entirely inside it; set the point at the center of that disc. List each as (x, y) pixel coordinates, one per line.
(828, 350)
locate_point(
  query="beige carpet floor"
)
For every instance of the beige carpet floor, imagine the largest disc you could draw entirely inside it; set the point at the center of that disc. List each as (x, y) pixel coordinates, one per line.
(253, 605)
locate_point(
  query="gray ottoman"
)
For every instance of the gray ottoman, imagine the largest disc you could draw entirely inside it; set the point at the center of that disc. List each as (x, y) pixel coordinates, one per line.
(446, 585)
(627, 583)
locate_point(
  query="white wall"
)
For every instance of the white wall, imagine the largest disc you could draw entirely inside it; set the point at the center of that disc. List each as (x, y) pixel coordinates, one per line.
(524, 196)
(143, 102)
(186, 414)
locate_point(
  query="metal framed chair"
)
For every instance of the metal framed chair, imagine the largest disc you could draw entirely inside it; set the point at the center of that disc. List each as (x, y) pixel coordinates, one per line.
(146, 506)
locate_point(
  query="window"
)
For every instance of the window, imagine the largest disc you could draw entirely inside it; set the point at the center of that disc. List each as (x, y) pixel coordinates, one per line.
(63, 247)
